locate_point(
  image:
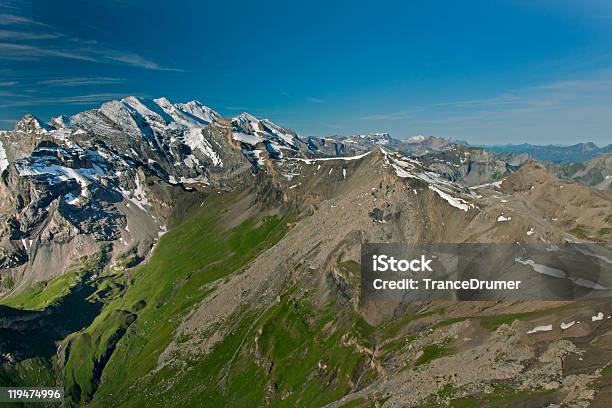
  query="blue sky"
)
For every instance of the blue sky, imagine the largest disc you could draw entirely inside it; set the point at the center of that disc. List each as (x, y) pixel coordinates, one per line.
(490, 72)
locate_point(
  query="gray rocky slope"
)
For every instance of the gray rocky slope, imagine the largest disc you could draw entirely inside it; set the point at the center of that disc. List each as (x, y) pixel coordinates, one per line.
(596, 172)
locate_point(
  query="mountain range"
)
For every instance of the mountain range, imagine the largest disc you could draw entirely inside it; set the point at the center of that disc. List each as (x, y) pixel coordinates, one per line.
(158, 254)
(579, 152)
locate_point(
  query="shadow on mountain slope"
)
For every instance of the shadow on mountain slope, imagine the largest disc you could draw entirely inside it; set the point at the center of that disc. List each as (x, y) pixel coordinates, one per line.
(26, 334)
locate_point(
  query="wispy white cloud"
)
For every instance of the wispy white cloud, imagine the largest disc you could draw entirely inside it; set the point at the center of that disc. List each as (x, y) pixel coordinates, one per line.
(13, 19)
(14, 35)
(503, 99)
(579, 85)
(87, 99)
(315, 100)
(130, 3)
(450, 119)
(23, 52)
(130, 58)
(9, 5)
(405, 114)
(7, 93)
(26, 39)
(530, 99)
(80, 81)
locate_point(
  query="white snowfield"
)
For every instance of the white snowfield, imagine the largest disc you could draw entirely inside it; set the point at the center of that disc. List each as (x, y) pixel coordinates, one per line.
(191, 117)
(58, 174)
(560, 274)
(454, 201)
(496, 184)
(196, 141)
(4, 162)
(539, 329)
(200, 111)
(565, 326)
(323, 159)
(139, 196)
(246, 138)
(543, 269)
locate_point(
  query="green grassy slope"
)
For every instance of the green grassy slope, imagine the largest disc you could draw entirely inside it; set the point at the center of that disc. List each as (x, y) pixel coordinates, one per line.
(287, 354)
(122, 346)
(137, 309)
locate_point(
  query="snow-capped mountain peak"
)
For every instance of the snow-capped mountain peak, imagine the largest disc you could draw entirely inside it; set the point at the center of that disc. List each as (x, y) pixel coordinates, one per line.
(163, 102)
(31, 124)
(199, 111)
(247, 117)
(147, 109)
(250, 130)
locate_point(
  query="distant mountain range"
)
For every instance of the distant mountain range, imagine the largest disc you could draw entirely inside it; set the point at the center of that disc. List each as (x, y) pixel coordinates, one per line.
(580, 152)
(596, 172)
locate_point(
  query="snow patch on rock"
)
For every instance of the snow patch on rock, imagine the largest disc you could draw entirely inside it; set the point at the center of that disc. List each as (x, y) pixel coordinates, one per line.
(454, 201)
(4, 162)
(539, 329)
